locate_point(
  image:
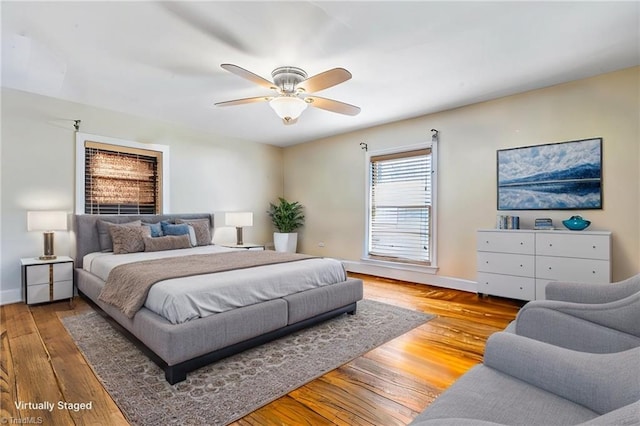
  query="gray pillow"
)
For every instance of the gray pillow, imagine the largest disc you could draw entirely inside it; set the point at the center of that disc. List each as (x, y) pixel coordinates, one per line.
(104, 233)
(129, 239)
(202, 229)
(169, 242)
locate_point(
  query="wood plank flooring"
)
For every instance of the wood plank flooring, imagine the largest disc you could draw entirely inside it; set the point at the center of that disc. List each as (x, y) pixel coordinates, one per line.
(389, 385)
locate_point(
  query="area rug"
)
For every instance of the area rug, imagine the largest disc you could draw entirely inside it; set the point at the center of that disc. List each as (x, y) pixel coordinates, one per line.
(233, 387)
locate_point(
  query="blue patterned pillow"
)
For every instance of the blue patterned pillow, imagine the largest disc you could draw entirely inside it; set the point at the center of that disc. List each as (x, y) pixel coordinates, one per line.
(174, 229)
(156, 229)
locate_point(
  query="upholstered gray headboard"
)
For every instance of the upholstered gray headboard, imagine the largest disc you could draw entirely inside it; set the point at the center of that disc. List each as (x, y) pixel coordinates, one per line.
(85, 238)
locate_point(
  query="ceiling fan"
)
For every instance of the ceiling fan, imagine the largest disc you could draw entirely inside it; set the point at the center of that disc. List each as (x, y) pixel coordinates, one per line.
(293, 91)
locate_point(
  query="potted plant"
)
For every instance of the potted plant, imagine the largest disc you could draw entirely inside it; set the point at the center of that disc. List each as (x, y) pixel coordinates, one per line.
(286, 217)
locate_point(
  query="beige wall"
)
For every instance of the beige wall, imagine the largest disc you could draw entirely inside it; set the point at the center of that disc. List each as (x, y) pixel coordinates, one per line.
(208, 173)
(328, 176)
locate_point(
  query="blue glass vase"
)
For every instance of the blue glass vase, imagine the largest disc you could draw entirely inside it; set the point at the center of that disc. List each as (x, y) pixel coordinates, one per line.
(576, 223)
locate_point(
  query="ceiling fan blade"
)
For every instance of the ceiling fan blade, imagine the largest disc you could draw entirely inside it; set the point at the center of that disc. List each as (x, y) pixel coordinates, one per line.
(332, 105)
(324, 80)
(239, 71)
(244, 101)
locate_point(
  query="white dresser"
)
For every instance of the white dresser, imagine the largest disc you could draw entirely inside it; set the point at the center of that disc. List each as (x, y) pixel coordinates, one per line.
(519, 263)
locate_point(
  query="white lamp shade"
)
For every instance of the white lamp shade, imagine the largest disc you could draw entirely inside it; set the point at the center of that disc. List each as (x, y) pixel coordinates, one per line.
(47, 221)
(238, 219)
(288, 107)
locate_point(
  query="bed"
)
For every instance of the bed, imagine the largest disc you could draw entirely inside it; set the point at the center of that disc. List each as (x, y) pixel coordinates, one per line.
(241, 300)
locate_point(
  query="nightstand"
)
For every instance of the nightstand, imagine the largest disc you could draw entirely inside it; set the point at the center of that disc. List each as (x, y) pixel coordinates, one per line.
(47, 280)
(245, 246)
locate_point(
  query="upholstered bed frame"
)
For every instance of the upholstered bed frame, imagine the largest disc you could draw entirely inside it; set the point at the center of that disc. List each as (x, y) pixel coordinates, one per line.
(181, 348)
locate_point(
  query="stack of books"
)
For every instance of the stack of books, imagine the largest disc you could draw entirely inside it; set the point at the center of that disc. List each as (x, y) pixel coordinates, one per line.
(543, 223)
(507, 222)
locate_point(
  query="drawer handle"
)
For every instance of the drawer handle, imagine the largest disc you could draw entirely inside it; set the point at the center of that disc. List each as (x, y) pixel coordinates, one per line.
(521, 266)
(593, 272)
(549, 267)
(487, 262)
(594, 246)
(550, 245)
(521, 243)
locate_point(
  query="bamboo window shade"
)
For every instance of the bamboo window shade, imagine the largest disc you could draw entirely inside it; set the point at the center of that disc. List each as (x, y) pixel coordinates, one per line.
(122, 180)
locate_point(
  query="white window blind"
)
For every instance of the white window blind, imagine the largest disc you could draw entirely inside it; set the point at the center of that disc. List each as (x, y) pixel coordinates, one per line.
(401, 200)
(121, 180)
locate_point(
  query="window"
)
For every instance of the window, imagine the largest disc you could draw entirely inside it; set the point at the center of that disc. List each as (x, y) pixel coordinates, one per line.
(119, 177)
(401, 207)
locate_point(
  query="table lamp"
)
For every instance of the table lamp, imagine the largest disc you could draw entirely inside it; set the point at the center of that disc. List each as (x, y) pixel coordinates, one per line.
(47, 221)
(238, 219)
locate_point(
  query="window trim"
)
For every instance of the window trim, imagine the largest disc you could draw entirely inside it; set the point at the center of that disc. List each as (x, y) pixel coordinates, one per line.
(434, 209)
(81, 138)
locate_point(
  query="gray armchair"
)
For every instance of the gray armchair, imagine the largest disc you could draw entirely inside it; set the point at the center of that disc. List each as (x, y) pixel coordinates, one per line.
(525, 381)
(599, 318)
(589, 327)
(592, 293)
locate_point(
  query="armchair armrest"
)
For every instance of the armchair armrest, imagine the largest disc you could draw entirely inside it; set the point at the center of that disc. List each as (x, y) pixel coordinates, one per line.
(592, 293)
(561, 329)
(622, 315)
(601, 382)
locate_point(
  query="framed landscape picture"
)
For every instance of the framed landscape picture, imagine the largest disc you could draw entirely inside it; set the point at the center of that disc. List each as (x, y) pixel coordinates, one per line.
(557, 176)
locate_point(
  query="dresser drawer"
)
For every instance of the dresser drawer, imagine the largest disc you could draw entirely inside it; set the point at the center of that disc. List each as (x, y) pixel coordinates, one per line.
(506, 242)
(587, 246)
(506, 286)
(503, 263)
(577, 270)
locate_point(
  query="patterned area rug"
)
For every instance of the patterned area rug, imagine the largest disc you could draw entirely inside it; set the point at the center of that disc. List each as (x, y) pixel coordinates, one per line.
(233, 387)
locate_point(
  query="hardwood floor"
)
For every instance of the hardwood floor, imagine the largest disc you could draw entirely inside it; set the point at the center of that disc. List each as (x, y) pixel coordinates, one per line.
(389, 385)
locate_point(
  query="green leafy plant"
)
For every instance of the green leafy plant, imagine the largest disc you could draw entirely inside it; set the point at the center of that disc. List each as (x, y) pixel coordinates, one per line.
(286, 216)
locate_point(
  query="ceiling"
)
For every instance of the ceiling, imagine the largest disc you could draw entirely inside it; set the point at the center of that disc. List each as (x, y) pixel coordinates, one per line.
(162, 59)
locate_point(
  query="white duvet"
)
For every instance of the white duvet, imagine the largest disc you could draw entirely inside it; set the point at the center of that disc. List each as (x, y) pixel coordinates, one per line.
(184, 299)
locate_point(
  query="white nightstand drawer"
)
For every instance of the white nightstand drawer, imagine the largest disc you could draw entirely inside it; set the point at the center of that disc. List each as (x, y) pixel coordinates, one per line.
(63, 271)
(507, 286)
(503, 263)
(587, 246)
(38, 293)
(63, 290)
(577, 270)
(38, 274)
(506, 242)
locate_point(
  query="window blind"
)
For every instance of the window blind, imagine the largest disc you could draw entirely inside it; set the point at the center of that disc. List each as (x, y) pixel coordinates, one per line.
(400, 215)
(121, 180)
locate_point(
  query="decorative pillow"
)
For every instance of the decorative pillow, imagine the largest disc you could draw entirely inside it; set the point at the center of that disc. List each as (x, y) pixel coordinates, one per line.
(104, 233)
(202, 229)
(155, 228)
(169, 228)
(169, 242)
(128, 239)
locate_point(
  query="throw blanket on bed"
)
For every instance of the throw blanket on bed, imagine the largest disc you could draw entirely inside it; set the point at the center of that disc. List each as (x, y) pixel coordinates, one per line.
(128, 285)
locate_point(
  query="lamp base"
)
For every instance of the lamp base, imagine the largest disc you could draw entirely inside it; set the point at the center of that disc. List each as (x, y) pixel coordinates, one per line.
(239, 241)
(48, 246)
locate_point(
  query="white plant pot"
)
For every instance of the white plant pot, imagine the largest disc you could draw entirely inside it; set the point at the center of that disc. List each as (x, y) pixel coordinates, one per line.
(285, 242)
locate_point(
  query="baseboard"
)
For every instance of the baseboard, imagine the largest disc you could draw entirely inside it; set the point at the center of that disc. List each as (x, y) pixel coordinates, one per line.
(403, 274)
(10, 296)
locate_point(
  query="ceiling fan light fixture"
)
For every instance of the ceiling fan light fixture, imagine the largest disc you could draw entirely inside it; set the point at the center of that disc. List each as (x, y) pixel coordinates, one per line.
(288, 107)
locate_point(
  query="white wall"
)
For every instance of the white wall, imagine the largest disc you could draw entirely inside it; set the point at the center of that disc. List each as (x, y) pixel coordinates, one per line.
(328, 176)
(208, 173)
